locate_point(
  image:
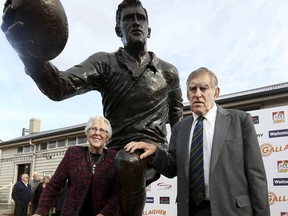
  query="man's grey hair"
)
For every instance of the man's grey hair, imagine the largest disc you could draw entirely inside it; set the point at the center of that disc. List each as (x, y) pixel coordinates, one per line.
(200, 71)
(35, 173)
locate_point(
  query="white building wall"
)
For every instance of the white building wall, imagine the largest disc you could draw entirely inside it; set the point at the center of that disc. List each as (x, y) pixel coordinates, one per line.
(8, 169)
(46, 163)
(7, 165)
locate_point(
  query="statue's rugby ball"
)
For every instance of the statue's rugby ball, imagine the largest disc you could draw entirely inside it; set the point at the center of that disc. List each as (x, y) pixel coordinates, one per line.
(45, 22)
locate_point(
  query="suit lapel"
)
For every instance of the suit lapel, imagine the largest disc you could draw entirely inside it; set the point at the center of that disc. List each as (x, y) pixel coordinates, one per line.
(185, 147)
(221, 128)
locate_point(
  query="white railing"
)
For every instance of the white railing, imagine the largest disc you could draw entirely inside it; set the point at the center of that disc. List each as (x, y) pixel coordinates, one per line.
(10, 191)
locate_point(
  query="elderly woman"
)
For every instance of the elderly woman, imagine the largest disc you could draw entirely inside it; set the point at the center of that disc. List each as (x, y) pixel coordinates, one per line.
(90, 172)
(39, 190)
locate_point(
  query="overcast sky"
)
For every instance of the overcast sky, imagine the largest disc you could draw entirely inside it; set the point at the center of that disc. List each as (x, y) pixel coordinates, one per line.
(244, 42)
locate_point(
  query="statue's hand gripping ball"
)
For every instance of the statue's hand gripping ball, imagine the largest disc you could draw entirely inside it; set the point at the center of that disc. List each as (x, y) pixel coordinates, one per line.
(38, 28)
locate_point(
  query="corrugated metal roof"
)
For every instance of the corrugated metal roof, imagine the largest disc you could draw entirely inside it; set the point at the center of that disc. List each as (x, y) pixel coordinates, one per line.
(41, 134)
(270, 89)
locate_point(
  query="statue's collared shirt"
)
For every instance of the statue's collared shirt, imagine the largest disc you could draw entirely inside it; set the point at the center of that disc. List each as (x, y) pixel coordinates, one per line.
(138, 107)
(148, 96)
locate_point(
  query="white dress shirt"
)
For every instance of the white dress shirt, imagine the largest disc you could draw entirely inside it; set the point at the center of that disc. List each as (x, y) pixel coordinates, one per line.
(208, 133)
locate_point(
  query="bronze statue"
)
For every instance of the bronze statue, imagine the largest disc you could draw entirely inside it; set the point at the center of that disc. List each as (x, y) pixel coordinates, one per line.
(140, 94)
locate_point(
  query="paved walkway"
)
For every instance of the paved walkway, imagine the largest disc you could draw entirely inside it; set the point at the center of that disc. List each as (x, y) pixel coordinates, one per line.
(6, 210)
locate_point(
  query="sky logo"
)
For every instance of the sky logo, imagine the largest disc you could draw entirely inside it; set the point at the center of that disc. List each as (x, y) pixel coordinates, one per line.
(282, 166)
(278, 117)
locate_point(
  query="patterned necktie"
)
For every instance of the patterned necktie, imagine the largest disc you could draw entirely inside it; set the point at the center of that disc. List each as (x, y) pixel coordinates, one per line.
(197, 186)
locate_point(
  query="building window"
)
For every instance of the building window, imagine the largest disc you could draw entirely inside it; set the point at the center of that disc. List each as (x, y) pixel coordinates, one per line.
(27, 149)
(52, 144)
(61, 143)
(82, 140)
(24, 149)
(20, 150)
(43, 146)
(71, 141)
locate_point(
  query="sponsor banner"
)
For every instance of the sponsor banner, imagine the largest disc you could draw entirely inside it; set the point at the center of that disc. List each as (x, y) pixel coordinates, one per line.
(161, 197)
(155, 212)
(255, 119)
(282, 166)
(278, 133)
(164, 200)
(149, 199)
(278, 117)
(280, 181)
(267, 149)
(273, 198)
(273, 144)
(164, 186)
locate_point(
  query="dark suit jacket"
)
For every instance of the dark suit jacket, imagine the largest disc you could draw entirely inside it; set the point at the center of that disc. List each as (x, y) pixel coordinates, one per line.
(21, 193)
(237, 184)
(76, 168)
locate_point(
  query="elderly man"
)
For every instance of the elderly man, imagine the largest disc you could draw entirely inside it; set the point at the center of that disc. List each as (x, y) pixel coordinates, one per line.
(215, 155)
(140, 93)
(34, 183)
(21, 194)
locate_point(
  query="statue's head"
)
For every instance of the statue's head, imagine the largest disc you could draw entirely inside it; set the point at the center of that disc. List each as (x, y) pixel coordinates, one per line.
(125, 4)
(132, 13)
